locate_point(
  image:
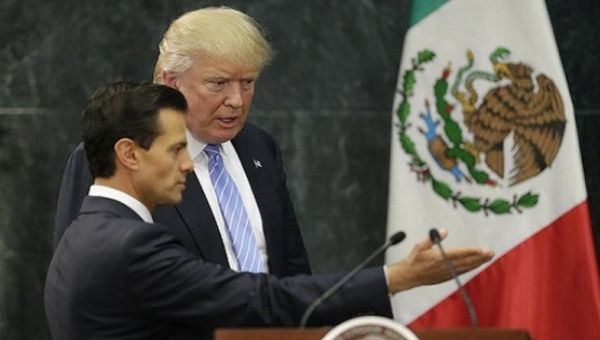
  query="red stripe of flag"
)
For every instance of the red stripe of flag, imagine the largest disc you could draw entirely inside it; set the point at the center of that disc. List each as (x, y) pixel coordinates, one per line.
(548, 285)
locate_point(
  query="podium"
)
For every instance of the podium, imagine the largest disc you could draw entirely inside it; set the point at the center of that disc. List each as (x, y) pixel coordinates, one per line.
(318, 333)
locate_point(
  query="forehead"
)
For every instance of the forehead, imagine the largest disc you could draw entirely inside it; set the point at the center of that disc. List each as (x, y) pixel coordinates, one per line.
(211, 66)
(171, 123)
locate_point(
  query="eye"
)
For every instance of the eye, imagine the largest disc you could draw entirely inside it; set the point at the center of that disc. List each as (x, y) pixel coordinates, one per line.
(177, 149)
(248, 84)
(217, 84)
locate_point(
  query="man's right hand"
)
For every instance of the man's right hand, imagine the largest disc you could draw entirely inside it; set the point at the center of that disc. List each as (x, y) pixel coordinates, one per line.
(425, 265)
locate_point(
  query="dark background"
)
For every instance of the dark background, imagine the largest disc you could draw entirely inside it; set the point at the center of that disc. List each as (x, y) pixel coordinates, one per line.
(327, 97)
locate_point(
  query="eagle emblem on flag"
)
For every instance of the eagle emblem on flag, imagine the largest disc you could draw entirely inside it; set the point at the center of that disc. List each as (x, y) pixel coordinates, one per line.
(511, 130)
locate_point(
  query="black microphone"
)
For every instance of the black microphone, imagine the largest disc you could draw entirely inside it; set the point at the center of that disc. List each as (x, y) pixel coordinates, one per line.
(394, 239)
(435, 237)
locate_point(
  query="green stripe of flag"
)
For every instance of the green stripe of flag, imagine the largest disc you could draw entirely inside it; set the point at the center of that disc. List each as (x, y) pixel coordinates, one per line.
(419, 9)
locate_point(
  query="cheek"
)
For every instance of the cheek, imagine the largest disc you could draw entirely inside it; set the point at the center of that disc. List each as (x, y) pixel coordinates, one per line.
(166, 180)
(202, 109)
(248, 100)
(162, 167)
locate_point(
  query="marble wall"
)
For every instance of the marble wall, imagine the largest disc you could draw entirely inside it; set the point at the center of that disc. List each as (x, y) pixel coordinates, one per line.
(327, 97)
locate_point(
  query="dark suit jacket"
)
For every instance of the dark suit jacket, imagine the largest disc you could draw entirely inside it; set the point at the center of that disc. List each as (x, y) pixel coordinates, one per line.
(114, 276)
(193, 222)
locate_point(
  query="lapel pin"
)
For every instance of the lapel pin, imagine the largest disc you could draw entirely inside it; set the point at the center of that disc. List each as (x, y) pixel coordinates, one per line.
(257, 164)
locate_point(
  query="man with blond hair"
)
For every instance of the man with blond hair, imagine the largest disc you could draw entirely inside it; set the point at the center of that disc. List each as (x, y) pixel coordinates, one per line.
(214, 57)
(234, 213)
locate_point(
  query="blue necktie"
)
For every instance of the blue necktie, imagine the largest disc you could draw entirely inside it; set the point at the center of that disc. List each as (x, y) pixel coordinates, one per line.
(232, 207)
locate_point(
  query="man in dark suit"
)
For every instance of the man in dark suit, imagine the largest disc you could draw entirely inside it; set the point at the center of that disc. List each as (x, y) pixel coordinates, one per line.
(117, 275)
(214, 56)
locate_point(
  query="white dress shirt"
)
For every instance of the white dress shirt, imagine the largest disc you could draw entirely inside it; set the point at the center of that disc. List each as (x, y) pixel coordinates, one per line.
(120, 196)
(234, 167)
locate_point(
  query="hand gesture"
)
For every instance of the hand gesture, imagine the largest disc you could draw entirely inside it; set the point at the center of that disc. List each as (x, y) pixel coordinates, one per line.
(425, 264)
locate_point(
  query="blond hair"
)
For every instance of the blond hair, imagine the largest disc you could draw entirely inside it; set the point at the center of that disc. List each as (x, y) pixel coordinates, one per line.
(216, 32)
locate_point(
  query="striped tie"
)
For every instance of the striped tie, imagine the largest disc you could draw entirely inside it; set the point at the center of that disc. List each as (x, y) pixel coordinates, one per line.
(232, 207)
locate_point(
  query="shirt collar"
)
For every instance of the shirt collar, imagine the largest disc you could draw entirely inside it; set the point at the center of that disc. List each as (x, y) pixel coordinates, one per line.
(119, 196)
(196, 146)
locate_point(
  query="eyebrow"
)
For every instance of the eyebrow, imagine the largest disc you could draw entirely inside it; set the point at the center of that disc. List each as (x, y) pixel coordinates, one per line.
(178, 144)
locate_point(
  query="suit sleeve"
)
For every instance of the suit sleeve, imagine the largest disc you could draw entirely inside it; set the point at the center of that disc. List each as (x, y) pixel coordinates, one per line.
(168, 282)
(76, 182)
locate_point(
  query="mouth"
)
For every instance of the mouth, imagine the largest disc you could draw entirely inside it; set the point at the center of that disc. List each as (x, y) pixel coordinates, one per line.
(229, 121)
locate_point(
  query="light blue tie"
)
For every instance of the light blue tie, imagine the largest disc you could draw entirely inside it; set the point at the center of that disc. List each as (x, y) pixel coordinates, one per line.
(240, 231)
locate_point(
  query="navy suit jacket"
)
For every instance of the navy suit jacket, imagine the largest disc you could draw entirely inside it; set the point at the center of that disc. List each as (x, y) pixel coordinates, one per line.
(192, 221)
(114, 276)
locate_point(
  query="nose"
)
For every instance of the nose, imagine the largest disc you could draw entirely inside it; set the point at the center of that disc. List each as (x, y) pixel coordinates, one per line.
(186, 165)
(234, 95)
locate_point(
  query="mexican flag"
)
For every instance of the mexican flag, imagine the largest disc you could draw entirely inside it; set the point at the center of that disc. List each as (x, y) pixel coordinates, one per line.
(484, 144)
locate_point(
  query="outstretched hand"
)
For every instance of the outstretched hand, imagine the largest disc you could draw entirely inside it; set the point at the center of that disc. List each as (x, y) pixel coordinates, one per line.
(425, 264)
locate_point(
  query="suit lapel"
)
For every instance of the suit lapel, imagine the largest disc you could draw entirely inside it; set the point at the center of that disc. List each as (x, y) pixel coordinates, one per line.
(254, 162)
(198, 218)
(197, 215)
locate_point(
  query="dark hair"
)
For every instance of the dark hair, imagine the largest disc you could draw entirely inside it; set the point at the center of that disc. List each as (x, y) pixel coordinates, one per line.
(123, 110)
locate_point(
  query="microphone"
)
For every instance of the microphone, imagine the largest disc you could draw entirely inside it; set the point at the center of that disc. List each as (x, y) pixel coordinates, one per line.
(393, 240)
(435, 237)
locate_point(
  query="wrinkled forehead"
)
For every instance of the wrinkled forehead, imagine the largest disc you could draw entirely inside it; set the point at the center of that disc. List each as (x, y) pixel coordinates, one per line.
(240, 62)
(204, 65)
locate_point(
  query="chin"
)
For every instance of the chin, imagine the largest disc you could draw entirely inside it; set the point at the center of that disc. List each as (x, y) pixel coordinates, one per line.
(173, 200)
(177, 200)
(226, 135)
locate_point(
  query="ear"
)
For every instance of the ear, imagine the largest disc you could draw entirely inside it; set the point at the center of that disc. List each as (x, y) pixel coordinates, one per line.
(171, 79)
(125, 154)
